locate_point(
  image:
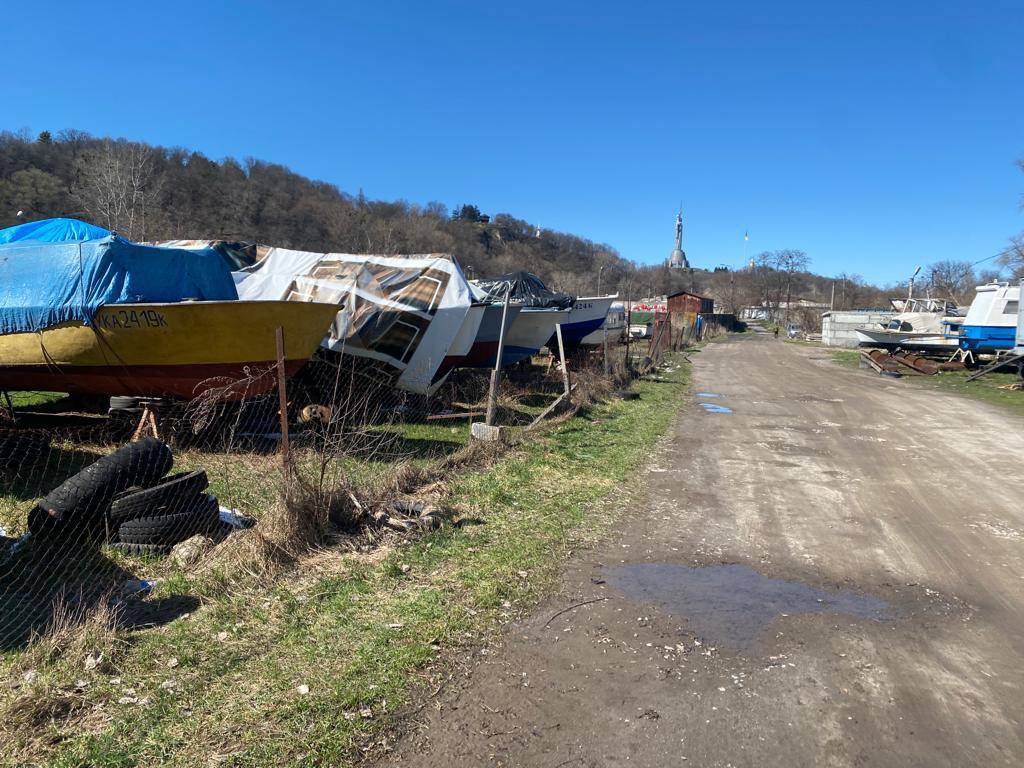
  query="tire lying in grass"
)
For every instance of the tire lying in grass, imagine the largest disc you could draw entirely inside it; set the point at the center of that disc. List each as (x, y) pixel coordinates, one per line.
(625, 394)
(198, 515)
(142, 549)
(166, 496)
(78, 504)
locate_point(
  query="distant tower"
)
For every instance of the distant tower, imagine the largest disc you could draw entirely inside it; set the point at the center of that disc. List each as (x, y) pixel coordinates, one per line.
(678, 258)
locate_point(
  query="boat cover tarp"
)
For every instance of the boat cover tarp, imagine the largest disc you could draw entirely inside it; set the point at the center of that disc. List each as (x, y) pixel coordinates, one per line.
(53, 231)
(43, 284)
(527, 289)
(404, 311)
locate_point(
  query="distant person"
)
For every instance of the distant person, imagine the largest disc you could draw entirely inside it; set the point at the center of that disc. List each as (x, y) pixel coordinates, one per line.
(776, 331)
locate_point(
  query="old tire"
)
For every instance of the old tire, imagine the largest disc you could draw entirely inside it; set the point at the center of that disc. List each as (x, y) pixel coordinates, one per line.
(79, 503)
(142, 549)
(198, 515)
(167, 496)
(625, 394)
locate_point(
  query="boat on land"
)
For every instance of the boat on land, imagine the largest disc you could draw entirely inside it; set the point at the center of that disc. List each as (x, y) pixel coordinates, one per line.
(990, 324)
(614, 326)
(921, 325)
(483, 347)
(179, 350)
(405, 313)
(528, 329)
(84, 310)
(587, 315)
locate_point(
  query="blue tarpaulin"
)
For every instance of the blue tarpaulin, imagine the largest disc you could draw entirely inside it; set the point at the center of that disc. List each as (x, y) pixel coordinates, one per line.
(46, 283)
(53, 231)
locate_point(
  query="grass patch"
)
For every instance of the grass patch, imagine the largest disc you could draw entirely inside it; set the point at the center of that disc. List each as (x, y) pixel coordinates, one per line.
(25, 399)
(310, 669)
(988, 388)
(849, 358)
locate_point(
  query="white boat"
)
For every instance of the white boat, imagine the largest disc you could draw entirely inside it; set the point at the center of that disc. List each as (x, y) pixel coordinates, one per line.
(922, 325)
(614, 326)
(586, 316)
(530, 331)
(991, 322)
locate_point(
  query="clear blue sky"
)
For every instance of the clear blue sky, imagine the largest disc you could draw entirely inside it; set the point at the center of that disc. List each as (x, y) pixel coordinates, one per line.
(873, 135)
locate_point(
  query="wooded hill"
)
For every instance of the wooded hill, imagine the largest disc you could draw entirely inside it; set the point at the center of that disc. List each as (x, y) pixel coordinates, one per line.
(156, 193)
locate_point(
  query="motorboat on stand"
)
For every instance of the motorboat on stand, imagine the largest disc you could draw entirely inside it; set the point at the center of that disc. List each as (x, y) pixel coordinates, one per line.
(920, 325)
(541, 309)
(587, 315)
(991, 322)
(84, 310)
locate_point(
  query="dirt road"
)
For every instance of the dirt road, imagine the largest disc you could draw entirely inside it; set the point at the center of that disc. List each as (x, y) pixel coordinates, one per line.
(872, 612)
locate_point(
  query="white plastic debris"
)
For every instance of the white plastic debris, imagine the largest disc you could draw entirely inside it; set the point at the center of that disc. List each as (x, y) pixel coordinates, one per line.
(235, 518)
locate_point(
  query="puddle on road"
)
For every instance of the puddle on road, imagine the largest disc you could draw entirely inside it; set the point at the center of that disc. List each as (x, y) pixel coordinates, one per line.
(708, 394)
(715, 408)
(730, 606)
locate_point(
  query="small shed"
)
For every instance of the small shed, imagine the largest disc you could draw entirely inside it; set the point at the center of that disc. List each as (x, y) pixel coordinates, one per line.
(685, 302)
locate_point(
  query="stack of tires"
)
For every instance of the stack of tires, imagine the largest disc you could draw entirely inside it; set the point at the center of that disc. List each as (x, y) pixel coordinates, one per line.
(126, 500)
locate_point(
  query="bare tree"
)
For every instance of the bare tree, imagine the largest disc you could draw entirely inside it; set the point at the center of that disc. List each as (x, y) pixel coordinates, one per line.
(1012, 257)
(116, 181)
(951, 279)
(790, 263)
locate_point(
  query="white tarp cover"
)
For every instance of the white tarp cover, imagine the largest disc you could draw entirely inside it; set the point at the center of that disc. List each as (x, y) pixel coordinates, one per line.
(402, 310)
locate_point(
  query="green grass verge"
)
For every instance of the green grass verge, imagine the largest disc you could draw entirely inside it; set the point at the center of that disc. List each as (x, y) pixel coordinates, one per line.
(358, 637)
(987, 388)
(847, 357)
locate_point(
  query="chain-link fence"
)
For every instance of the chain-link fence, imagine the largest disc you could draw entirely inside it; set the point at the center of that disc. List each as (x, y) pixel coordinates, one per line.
(102, 497)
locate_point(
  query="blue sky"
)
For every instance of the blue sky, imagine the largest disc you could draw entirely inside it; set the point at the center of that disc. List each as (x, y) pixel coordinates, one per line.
(873, 135)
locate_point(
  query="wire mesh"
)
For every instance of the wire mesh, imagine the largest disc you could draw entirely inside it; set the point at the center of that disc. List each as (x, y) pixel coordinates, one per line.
(102, 497)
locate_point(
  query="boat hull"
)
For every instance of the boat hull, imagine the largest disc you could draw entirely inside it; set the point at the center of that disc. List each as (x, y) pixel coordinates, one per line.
(921, 342)
(988, 338)
(179, 350)
(586, 316)
(528, 331)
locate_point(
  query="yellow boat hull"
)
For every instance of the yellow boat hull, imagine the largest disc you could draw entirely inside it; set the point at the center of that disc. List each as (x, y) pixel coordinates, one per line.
(167, 350)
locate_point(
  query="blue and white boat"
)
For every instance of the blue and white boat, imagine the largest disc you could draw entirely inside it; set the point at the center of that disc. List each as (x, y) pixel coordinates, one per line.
(991, 322)
(587, 315)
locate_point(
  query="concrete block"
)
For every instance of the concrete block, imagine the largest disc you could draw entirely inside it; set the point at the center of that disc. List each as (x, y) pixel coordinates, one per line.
(480, 431)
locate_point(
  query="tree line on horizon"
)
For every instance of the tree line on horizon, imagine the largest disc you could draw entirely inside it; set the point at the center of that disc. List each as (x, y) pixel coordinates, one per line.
(149, 193)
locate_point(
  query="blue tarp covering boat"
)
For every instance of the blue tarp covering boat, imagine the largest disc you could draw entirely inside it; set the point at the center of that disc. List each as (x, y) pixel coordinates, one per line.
(47, 282)
(53, 231)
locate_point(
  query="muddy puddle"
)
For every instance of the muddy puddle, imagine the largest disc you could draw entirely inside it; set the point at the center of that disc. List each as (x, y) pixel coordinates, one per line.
(731, 606)
(708, 394)
(715, 408)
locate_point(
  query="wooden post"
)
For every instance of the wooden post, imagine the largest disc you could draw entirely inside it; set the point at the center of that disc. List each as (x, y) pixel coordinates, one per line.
(567, 388)
(492, 395)
(282, 397)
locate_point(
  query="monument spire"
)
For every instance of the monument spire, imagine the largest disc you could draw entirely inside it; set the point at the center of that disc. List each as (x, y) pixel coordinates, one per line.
(678, 258)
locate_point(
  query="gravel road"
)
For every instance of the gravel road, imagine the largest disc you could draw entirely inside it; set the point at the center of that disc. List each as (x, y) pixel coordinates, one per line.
(827, 569)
